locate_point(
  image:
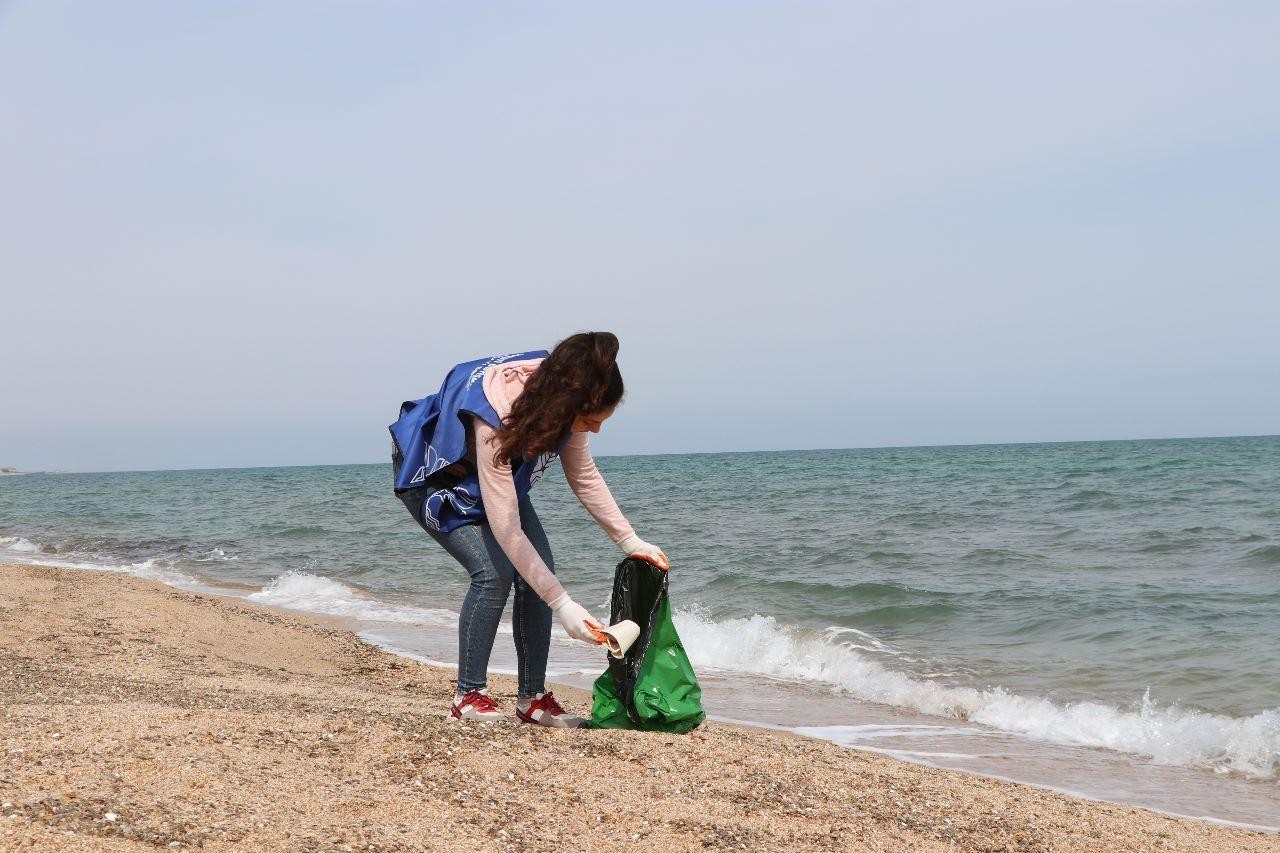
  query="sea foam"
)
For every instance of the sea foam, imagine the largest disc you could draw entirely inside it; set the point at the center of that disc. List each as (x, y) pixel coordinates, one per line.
(1168, 735)
(18, 545)
(153, 569)
(316, 594)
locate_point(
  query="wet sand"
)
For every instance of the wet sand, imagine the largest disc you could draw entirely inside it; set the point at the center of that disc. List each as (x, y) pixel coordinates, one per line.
(137, 716)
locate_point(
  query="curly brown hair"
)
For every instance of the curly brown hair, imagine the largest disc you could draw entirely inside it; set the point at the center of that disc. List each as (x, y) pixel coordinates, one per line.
(579, 377)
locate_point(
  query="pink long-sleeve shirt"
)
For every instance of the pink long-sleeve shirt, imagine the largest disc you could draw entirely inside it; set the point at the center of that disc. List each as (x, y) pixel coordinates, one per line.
(503, 384)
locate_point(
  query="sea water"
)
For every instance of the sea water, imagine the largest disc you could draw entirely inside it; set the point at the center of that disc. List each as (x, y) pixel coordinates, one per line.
(1099, 617)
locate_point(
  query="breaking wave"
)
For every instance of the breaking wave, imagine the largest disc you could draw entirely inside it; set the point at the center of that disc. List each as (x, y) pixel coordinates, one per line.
(1167, 735)
(315, 594)
(18, 545)
(32, 553)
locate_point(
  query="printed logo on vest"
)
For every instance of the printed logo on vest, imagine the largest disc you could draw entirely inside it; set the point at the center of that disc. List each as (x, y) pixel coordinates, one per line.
(462, 500)
(540, 466)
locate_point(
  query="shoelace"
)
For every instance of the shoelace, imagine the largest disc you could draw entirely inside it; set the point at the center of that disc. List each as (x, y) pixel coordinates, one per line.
(550, 705)
(479, 701)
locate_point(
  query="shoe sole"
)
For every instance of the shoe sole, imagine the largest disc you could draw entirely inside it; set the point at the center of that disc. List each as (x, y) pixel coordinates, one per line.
(496, 719)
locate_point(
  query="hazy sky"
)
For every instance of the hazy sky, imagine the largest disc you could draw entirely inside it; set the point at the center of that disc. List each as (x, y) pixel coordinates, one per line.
(240, 233)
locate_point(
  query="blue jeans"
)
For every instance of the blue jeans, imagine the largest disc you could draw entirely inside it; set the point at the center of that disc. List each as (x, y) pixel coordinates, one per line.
(492, 576)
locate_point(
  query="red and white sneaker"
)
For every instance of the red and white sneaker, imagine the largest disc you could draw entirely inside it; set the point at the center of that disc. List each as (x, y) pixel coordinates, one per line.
(544, 710)
(475, 705)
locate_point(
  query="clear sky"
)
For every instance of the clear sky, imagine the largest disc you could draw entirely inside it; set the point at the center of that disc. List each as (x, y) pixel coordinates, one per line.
(240, 233)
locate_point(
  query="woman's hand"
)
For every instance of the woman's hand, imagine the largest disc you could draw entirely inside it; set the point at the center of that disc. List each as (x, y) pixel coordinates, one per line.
(574, 618)
(634, 546)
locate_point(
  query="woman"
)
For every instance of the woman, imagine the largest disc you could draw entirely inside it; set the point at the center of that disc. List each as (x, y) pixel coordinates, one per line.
(465, 460)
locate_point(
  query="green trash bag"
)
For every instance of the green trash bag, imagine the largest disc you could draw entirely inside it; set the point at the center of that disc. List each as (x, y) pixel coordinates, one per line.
(653, 687)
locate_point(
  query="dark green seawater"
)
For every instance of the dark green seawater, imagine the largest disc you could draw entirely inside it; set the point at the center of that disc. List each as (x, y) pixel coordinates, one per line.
(1123, 595)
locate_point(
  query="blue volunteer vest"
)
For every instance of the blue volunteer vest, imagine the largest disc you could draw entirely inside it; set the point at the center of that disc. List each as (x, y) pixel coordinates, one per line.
(431, 435)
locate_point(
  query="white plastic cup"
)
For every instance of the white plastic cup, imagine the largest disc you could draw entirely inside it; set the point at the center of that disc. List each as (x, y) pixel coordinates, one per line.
(618, 638)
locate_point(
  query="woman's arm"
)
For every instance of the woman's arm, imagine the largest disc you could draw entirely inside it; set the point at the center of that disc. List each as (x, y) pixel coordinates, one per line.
(585, 480)
(502, 508)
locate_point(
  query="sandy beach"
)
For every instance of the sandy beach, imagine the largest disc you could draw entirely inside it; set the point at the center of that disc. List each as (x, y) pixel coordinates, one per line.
(139, 716)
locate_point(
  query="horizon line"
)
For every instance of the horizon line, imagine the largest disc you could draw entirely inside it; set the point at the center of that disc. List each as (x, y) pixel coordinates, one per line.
(681, 453)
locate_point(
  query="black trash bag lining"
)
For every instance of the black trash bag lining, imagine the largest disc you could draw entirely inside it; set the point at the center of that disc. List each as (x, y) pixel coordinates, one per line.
(638, 590)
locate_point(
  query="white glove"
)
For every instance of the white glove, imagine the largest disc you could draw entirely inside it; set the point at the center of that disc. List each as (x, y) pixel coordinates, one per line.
(572, 616)
(634, 546)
